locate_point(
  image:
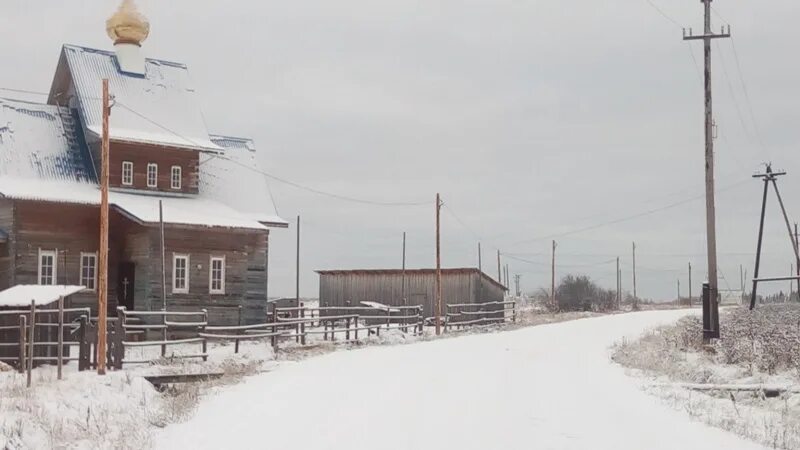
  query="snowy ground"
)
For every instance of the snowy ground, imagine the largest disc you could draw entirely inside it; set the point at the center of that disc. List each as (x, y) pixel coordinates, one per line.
(546, 387)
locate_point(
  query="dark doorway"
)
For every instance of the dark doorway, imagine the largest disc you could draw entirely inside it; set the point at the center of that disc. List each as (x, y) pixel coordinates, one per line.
(125, 282)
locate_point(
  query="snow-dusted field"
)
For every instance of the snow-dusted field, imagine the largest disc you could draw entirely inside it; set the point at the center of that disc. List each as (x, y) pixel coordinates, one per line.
(546, 387)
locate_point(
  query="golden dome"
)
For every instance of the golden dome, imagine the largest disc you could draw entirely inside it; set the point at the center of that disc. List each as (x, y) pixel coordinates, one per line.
(128, 25)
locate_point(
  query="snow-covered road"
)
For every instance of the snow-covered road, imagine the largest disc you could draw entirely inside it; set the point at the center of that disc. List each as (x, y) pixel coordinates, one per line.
(545, 387)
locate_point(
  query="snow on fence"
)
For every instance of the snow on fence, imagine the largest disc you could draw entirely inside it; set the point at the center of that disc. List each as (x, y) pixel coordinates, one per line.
(347, 320)
(460, 315)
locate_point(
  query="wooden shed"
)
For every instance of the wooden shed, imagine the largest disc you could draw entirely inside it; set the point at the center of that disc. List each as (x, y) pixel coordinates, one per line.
(397, 287)
(16, 302)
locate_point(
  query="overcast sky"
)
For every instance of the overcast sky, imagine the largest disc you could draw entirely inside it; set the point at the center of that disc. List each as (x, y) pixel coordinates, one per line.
(533, 119)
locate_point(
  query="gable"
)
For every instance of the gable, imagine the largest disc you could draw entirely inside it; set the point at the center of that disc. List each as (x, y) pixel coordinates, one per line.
(160, 108)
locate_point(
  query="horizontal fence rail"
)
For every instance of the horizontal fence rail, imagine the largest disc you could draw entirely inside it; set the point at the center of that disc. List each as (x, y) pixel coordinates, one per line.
(461, 315)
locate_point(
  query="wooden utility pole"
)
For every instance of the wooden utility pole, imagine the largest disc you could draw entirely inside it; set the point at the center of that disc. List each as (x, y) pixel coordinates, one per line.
(163, 258)
(679, 290)
(439, 267)
(634, 272)
(619, 295)
(480, 275)
(102, 276)
(690, 284)
(712, 311)
(297, 269)
(553, 276)
(499, 276)
(405, 300)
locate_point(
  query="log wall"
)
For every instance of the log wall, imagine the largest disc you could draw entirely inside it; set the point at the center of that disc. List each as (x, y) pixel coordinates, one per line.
(166, 157)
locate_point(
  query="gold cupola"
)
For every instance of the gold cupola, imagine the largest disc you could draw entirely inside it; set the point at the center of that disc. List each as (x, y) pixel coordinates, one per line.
(128, 28)
(128, 25)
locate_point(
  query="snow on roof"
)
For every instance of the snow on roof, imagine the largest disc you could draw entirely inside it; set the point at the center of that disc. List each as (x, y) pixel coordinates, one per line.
(38, 141)
(234, 179)
(160, 108)
(22, 294)
(142, 207)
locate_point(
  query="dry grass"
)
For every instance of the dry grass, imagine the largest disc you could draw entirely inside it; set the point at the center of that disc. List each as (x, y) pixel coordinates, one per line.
(761, 346)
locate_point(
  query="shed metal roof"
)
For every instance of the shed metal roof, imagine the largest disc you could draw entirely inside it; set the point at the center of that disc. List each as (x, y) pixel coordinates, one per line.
(449, 271)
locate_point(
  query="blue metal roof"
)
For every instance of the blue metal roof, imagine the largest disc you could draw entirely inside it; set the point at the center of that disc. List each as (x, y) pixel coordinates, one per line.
(159, 108)
(42, 141)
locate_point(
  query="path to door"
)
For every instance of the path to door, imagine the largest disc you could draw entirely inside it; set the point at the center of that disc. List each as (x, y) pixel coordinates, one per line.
(546, 387)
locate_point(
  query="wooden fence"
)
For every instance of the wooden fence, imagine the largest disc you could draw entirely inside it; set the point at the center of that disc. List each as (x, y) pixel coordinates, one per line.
(42, 336)
(461, 315)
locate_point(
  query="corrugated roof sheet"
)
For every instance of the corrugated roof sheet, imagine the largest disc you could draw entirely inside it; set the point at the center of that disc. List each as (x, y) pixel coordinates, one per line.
(39, 141)
(449, 271)
(160, 108)
(234, 178)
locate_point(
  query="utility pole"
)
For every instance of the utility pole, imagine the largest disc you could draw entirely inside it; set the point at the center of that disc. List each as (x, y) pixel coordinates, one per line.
(102, 285)
(634, 272)
(506, 275)
(690, 284)
(619, 294)
(679, 290)
(553, 277)
(480, 275)
(297, 269)
(405, 301)
(439, 268)
(712, 311)
(741, 282)
(163, 258)
(516, 285)
(499, 277)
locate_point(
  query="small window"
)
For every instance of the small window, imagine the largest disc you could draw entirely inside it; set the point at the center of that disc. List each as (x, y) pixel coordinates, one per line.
(180, 274)
(47, 267)
(176, 177)
(216, 282)
(89, 270)
(152, 175)
(127, 173)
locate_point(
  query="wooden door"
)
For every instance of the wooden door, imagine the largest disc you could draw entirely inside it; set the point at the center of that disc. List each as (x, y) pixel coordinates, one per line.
(125, 283)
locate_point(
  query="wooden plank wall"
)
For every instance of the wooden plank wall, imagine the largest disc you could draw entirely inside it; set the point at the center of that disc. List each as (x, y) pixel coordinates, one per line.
(7, 250)
(245, 272)
(68, 228)
(140, 155)
(461, 287)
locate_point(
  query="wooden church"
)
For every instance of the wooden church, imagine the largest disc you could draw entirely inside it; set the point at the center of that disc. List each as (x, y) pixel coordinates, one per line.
(217, 211)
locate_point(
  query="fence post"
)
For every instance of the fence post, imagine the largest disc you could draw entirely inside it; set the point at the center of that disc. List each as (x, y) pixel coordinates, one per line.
(347, 328)
(205, 341)
(239, 323)
(31, 338)
(514, 312)
(22, 330)
(303, 333)
(118, 342)
(274, 337)
(356, 328)
(164, 332)
(60, 335)
(83, 345)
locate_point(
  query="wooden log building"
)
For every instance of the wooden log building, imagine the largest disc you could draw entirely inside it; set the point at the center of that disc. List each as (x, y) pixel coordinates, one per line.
(217, 211)
(396, 287)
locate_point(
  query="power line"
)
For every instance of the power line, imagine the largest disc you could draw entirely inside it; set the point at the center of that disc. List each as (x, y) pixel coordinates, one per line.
(663, 14)
(747, 97)
(631, 217)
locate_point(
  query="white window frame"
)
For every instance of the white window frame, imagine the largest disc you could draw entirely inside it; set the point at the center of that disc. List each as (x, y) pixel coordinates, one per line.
(53, 254)
(127, 173)
(175, 183)
(94, 273)
(153, 166)
(175, 288)
(211, 262)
